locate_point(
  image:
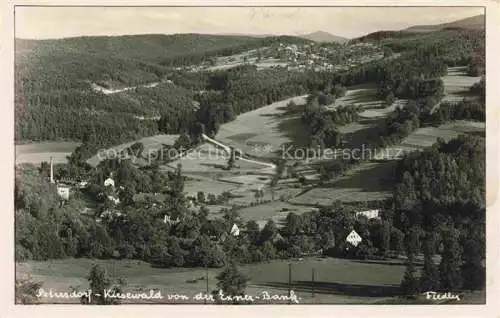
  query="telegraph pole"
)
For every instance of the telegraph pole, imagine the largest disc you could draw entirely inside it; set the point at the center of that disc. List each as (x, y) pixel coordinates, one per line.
(290, 283)
(313, 274)
(206, 282)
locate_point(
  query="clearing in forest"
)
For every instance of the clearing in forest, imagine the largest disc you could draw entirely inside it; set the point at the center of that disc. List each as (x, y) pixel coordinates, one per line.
(36, 153)
(262, 132)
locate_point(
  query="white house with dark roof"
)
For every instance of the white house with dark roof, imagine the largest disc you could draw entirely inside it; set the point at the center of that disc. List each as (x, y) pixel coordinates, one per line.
(235, 231)
(353, 238)
(109, 182)
(63, 190)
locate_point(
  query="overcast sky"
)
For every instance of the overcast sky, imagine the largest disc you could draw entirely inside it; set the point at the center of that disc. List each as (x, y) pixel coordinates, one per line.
(57, 22)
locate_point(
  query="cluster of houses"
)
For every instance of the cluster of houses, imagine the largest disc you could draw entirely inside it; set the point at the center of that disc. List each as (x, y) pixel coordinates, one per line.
(64, 189)
(318, 57)
(64, 186)
(299, 57)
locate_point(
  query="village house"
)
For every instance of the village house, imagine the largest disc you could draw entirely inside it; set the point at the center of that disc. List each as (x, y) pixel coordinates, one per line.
(109, 182)
(114, 199)
(353, 238)
(63, 190)
(235, 231)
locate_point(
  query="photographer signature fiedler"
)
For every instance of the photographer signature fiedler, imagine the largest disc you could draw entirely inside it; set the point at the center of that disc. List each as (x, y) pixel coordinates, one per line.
(441, 296)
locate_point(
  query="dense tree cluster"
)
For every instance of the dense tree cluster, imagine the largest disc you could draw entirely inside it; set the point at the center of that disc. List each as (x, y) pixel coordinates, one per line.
(400, 124)
(56, 98)
(440, 196)
(454, 47)
(322, 123)
(465, 109)
(382, 35)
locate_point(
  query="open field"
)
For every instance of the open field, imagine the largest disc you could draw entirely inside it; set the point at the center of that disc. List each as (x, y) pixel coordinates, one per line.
(275, 210)
(457, 83)
(261, 132)
(206, 166)
(207, 158)
(359, 95)
(427, 136)
(366, 182)
(36, 153)
(372, 113)
(192, 187)
(337, 280)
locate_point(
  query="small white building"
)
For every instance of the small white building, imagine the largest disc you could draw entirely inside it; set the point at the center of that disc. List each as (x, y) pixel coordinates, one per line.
(235, 231)
(168, 220)
(82, 184)
(63, 191)
(369, 214)
(353, 238)
(109, 182)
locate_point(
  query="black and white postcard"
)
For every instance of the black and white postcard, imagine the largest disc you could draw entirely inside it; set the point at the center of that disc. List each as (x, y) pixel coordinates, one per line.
(214, 156)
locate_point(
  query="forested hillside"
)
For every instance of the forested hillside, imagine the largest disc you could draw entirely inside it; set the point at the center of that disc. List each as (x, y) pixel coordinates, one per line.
(55, 97)
(54, 78)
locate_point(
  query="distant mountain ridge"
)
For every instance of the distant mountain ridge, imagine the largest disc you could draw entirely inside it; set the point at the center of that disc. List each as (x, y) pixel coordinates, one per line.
(476, 23)
(322, 36)
(472, 23)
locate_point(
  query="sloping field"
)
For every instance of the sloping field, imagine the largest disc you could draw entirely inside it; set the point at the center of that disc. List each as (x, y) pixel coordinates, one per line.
(457, 83)
(366, 182)
(246, 194)
(208, 158)
(192, 187)
(275, 210)
(372, 115)
(338, 281)
(364, 96)
(36, 153)
(258, 132)
(151, 143)
(427, 136)
(383, 111)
